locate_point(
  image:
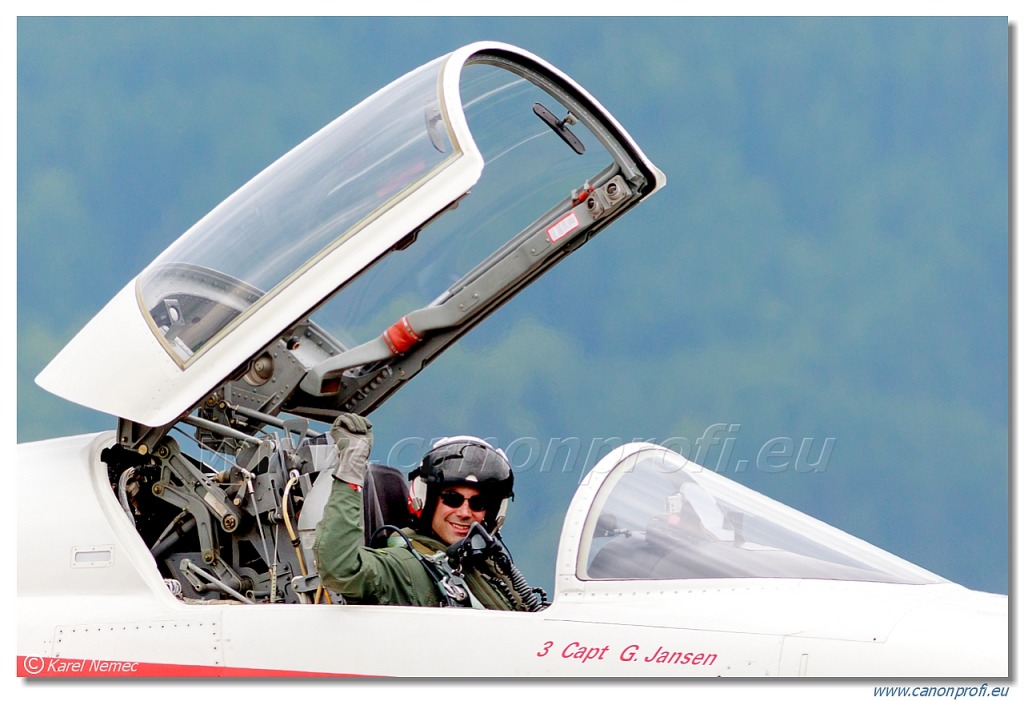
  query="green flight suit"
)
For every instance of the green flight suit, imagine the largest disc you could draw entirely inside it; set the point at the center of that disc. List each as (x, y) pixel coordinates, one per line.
(391, 575)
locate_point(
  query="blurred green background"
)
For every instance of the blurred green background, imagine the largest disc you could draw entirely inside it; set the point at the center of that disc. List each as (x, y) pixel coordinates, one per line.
(828, 266)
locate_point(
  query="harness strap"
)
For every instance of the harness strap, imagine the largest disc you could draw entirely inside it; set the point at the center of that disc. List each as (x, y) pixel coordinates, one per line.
(452, 586)
(453, 582)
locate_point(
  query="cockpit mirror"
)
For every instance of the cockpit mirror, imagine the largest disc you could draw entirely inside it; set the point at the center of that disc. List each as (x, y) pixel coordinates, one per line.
(608, 526)
(558, 126)
(434, 122)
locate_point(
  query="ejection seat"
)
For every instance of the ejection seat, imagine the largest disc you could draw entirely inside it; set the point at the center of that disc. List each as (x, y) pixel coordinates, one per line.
(385, 502)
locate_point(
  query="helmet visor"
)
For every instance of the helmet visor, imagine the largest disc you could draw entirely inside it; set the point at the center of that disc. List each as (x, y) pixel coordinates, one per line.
(466, 463)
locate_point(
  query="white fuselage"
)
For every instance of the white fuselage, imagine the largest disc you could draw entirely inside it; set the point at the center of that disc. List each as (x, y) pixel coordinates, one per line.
(92, 602)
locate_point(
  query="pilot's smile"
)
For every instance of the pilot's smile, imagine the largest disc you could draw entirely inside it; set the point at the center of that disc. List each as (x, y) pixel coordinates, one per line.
(451, 523)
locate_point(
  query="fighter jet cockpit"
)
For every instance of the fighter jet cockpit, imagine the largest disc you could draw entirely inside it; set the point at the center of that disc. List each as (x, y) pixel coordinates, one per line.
(325, 284)
(660, 516)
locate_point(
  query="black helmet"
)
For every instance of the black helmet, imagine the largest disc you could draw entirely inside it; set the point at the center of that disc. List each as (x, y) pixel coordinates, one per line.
(462, 460)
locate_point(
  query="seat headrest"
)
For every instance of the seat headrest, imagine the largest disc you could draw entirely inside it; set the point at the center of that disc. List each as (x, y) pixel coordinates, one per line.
(385, 501)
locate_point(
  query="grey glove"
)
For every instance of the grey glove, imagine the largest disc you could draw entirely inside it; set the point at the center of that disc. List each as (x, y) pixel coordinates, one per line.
(353, 439)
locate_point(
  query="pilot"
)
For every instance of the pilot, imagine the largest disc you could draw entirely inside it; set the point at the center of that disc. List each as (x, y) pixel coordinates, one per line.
(459, 483)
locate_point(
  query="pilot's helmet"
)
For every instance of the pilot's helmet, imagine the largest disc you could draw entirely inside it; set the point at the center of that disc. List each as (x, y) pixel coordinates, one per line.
(461, 460)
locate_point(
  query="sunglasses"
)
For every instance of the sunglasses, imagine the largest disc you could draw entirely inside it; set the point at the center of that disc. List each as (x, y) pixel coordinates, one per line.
(453, 500)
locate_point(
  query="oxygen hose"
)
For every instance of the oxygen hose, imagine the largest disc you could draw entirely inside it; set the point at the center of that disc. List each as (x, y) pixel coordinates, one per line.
(479, 546)
(527, 593)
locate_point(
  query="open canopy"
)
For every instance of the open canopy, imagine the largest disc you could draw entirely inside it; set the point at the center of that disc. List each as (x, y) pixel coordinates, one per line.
(342, 269)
